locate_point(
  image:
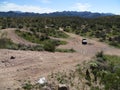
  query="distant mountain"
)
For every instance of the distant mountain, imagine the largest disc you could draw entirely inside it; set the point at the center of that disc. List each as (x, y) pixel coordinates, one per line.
(17, 14)
(55, 14)
(80, 14)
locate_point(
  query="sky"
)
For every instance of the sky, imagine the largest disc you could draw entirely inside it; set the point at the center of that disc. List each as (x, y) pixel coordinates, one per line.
(47, 6)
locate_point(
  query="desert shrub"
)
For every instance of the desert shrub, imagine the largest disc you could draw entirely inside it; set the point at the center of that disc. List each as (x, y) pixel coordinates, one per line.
(111, 81)
(65, 50)
(99, 54)
(6, 43)
(38, 48)
(116, 44)
(20, 26)
(49, 46)
(55, 33)
(108, 71)
(27, 86)
(95, 88)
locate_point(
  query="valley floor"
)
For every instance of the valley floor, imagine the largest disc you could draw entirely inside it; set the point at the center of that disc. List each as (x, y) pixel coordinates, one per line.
(31, 65)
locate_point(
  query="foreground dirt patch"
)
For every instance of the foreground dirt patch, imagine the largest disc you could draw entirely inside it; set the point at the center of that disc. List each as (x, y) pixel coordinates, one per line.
(29, 65)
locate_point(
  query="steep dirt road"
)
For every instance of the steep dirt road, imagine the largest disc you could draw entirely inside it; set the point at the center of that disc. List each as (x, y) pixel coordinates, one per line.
(31, 65)
(14, 37)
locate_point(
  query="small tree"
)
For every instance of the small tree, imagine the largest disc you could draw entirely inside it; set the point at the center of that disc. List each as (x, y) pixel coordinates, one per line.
(99, 54)
(88, 75)
(20, 26)
(49, 46)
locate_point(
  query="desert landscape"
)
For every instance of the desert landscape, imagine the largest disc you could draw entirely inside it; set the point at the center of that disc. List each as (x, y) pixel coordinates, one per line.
(16, 66)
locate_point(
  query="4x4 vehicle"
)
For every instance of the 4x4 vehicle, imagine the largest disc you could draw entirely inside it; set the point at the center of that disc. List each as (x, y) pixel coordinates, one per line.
(84, 41)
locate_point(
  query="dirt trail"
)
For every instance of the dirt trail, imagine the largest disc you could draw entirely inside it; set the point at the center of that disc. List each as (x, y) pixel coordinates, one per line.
(91, 48)
(31, 65)
(15, 38)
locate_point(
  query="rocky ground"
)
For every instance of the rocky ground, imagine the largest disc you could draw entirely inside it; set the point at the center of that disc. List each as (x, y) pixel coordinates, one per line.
(31, 65)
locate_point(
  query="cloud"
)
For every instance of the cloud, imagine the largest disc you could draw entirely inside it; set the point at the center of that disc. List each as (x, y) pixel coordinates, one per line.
(5, 6)
(81, 6)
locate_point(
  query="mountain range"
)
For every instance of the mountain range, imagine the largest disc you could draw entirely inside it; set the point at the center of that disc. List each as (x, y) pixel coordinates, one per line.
(84, 14)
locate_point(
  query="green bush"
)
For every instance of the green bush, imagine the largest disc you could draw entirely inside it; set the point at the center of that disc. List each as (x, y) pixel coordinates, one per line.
(6, 43)
(49, 46)
(108, 71)
(65, 50)
(27, 86)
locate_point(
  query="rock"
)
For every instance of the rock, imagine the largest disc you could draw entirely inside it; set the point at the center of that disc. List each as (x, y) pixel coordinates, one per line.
(12, 57)
(46, 88)
(63, 87)
(42, 80)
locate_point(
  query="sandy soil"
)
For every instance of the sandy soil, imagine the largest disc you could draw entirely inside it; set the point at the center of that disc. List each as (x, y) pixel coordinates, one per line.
(14, 37)
(31, 65)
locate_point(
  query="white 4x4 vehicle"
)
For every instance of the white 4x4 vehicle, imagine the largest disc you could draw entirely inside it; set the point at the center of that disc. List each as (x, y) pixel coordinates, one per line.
(84, 41)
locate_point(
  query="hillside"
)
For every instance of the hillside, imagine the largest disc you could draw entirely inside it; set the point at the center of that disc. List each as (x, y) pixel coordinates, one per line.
(51, 47)
(106, 29)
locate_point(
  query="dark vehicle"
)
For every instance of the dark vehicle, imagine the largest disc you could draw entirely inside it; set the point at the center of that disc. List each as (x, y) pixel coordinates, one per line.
(84, 41)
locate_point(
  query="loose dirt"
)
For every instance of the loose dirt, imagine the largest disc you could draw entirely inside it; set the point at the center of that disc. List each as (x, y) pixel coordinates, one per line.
(31, 65)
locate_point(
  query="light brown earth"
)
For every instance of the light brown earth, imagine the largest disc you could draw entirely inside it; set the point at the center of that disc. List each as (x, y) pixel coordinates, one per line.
(31, 65)
(10, 32)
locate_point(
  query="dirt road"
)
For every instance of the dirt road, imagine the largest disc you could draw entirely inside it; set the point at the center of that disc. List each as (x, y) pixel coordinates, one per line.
(93, 46)
(10, 32)
(31, 65)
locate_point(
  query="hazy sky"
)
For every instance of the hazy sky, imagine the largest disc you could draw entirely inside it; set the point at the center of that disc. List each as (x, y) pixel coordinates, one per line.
(43, 6)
